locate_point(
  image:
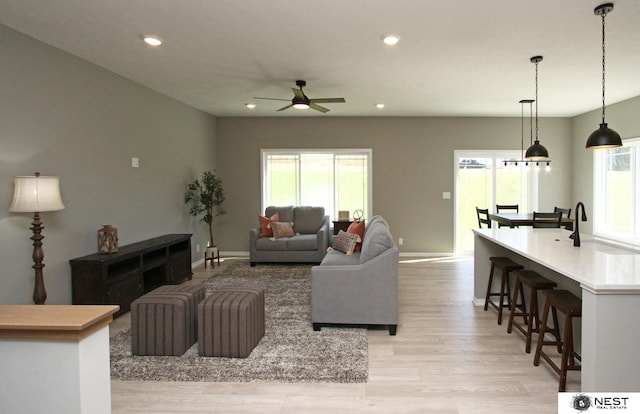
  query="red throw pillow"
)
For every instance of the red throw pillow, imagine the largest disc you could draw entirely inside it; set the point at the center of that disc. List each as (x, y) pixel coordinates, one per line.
(265, 229)
(357, 227)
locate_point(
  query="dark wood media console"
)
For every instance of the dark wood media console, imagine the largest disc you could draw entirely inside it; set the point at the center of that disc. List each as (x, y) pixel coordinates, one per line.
(122, 277)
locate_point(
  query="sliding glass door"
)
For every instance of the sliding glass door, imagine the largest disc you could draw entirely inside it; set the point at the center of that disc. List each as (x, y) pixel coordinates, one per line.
(483, 180)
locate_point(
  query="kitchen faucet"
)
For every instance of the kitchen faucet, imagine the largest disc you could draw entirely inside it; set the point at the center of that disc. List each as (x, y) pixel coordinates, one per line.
(576, 234)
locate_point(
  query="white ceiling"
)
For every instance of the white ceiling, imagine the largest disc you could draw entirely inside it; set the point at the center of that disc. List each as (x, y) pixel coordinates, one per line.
(455, 57)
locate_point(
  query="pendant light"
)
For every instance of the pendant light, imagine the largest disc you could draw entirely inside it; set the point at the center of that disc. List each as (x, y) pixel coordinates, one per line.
(521, 159)
(603, 137)
(537, 152)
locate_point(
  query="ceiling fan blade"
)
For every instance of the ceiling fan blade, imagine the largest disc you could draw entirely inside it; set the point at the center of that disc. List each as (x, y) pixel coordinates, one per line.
(318, 108)
(272, 99)
(328, 100)
(285, 107)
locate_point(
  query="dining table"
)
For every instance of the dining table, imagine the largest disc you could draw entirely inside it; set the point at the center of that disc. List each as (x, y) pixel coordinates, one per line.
(522, 219)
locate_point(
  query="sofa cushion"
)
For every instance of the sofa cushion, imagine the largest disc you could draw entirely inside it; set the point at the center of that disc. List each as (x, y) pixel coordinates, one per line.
(269, 243)
(301, 242)
(307, 219)
(285, 213)
(345, 242)
(357, 227)
(336, 258)
(377, 239)
(265, 228)
(282, 229)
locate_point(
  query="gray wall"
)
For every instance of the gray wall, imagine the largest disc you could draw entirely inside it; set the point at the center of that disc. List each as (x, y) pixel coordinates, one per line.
(624, 118)
(64, 116)
(412, 166)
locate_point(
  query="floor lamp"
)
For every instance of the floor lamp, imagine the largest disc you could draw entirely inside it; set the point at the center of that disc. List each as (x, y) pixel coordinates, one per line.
(36, 194)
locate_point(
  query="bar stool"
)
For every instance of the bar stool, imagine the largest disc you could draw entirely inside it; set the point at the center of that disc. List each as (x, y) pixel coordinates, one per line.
(569, 304)
(530, 316)
(506, 265)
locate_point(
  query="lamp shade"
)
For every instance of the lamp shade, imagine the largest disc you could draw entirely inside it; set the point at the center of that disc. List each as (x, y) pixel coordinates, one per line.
(537, 152)
(36, 194)
(603, 137)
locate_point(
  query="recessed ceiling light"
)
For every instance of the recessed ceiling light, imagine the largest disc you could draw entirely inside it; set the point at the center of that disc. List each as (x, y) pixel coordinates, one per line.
(380, 105)
(152, 40)
(250, 105)
(390, 39)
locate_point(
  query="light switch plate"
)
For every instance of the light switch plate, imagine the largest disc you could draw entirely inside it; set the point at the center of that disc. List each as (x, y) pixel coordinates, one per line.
(446, 195)
(135, 162)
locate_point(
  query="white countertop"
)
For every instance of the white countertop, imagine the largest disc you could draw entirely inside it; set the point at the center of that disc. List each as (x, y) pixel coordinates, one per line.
(597, 266)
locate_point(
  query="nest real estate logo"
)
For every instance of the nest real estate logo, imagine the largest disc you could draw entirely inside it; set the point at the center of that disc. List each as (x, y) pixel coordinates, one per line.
(592, 402)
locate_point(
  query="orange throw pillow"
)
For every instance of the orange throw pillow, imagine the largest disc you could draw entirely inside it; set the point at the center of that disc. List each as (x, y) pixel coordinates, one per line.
(265, 228)
(357, 227)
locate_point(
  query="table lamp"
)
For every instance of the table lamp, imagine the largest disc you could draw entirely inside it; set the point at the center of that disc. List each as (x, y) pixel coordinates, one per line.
(36, 194)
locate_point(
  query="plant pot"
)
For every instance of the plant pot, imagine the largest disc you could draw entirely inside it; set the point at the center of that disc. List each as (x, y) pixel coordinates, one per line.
(211, 252)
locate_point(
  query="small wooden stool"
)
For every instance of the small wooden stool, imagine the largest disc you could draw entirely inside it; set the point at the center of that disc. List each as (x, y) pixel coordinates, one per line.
(535, 282)
(506, 265)
(569, 304)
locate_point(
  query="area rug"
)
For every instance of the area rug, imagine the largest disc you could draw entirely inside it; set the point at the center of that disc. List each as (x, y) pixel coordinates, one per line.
(290, 351)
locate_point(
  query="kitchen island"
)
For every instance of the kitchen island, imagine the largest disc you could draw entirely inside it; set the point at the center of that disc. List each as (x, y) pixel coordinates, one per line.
(606, 277)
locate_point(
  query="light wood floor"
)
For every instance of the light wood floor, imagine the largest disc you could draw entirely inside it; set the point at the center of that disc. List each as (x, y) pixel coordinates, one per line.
(448, 357)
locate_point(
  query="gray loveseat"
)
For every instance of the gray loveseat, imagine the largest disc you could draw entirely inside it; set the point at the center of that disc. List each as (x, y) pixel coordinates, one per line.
(358, 289)
(308, 245)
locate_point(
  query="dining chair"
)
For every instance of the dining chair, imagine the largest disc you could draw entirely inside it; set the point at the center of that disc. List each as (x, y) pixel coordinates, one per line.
(507, 208)
(546, 220)
(566, 211)
(483, 217)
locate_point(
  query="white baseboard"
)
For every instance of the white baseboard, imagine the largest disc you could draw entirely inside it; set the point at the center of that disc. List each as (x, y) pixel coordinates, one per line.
(425, 254)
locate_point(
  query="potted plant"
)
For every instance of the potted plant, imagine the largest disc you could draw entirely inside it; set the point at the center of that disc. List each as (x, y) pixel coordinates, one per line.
(205, 197)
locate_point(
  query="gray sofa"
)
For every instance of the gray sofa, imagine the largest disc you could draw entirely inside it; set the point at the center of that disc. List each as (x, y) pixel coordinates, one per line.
(308, 245)
(358, 289)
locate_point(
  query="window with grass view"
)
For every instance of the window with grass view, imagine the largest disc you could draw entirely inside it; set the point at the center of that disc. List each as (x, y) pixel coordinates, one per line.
(616, 179)
(333, 179)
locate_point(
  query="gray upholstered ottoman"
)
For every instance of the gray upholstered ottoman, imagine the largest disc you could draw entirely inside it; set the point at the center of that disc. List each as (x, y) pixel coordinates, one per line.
(231, 322)
(163, 323)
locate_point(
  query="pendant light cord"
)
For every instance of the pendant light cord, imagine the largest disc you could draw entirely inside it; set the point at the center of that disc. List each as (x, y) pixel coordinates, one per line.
(521, 129)
(536, 101)
(603, 66)
(531, 123)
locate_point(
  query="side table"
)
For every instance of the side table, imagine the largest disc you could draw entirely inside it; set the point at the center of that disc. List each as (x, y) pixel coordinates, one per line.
(341, 225)
(210, 254)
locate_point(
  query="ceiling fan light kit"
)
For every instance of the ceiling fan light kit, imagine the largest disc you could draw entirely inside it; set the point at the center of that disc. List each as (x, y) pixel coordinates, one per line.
(603, 137)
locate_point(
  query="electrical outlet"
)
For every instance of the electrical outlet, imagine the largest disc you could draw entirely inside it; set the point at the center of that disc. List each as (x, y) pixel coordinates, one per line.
(197, 248)
(135, 162)
(400, 241)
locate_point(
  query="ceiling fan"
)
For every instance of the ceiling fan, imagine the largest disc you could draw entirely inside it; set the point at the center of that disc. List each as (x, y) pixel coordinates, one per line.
(301, 101)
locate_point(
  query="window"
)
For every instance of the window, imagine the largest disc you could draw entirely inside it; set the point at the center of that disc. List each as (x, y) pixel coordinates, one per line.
(334, 179)
(483, 180)
(616, 178)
